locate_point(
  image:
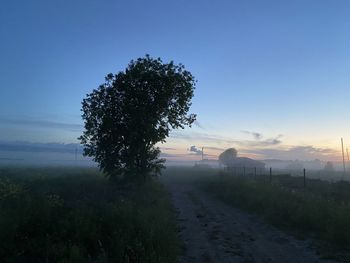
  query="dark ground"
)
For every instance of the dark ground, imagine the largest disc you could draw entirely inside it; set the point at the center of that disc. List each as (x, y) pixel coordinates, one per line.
(215, 232)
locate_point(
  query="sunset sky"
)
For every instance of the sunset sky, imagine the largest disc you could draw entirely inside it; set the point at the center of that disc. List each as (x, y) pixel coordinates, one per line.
(273, 76)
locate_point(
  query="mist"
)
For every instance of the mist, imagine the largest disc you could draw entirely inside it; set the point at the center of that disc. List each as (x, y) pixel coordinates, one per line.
(43, 154)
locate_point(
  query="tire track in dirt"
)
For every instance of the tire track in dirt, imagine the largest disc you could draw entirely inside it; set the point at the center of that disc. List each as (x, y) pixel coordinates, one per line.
(215, 232)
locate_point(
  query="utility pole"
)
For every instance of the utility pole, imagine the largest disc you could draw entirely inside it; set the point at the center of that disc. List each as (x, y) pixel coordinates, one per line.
(342, 149)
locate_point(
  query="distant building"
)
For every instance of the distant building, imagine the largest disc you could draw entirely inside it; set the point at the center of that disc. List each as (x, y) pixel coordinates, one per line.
(247, 163)
(245, 166)
(207, 163)
(239, 165)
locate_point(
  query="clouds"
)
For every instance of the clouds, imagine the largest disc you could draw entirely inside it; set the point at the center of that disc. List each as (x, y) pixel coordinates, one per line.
(19, 146)
(167, 148)
(257, 145)
(294, 152)
(308, 152)
(226, 142)
(39, 130)
(214, 148)
(249, 143)
(204, 138)
(195, 150)
(259, 141)
(41, 124)
(168, 155)
(311, 149)
(256, 135)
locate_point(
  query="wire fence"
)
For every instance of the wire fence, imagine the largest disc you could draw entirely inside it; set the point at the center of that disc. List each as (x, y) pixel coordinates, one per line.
(295, 179)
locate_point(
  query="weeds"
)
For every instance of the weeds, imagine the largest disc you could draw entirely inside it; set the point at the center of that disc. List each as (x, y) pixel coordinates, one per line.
(76, 215)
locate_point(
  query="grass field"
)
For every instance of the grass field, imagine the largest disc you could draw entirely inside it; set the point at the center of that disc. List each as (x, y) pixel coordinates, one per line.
(76, 215)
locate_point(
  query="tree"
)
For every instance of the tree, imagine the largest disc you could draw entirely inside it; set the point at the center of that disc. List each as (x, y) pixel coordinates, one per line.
(329, 167)
(295, 165)
(227, 157)
(133, 111)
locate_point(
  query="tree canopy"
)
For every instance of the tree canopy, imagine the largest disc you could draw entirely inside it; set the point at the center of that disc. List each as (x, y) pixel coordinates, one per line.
(227, 157)
(132, 111)
(329, 167)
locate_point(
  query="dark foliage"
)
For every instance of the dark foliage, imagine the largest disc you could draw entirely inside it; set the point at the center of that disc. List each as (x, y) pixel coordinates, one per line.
(133, 111)
(228, 156)
(76, 215)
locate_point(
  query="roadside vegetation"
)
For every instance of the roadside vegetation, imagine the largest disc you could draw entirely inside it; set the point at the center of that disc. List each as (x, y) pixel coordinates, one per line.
(321, 210)
(77, 215)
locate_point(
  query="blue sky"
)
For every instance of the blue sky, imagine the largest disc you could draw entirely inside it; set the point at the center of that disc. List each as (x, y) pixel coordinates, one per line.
(277, 68)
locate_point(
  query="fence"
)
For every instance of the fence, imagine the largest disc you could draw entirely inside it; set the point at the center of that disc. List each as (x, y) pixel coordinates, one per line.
(292, 178)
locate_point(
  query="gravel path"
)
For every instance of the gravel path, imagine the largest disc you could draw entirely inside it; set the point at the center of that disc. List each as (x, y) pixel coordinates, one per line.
(215, 232)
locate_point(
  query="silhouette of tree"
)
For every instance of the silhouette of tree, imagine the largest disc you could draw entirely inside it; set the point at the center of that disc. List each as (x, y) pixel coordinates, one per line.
(329, 167)
(295, 165)
(227, 157)
(134, 110)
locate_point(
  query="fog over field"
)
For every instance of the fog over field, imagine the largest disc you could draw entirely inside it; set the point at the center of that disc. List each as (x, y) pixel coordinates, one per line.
(27, 153)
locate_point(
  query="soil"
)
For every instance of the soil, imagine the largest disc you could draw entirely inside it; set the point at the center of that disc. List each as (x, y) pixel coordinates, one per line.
(212, 231)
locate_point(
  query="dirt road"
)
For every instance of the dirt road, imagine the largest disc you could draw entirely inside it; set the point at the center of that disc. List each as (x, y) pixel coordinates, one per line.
(215, 232)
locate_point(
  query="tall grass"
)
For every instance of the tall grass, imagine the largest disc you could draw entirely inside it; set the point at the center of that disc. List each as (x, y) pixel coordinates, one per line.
(76, 215)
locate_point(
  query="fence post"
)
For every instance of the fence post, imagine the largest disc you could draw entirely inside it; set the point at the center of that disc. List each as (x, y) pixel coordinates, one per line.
(270, 174)
(254, 172)
(304, 177)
